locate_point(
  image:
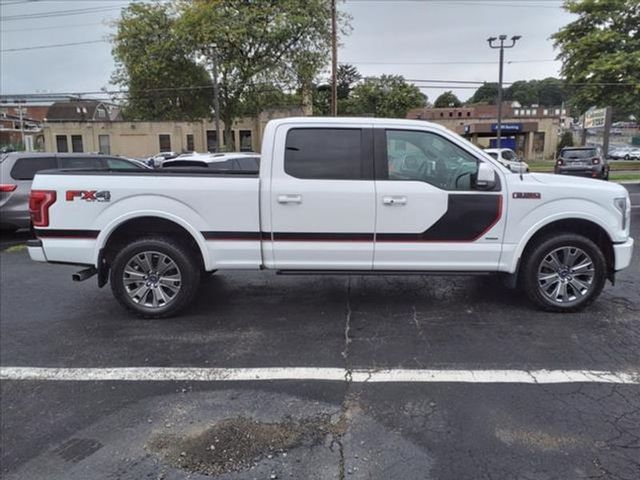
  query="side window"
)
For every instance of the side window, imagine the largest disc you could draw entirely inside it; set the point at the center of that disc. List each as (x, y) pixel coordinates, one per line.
(79, 162)
(26, 168)
(324, 153)
(430, 158)
(249, 163)
(118, 164)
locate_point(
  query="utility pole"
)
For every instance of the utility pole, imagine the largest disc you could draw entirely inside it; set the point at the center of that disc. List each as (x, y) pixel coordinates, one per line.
(334, 60)
(21, 127)
(608, 116)
(216, 94)
(501, 46)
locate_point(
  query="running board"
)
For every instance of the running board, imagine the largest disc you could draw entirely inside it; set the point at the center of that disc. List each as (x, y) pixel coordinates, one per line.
(382, 272)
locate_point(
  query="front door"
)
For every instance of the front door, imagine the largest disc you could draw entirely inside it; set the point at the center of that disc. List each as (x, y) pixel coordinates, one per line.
(430, 214)
(322, 198)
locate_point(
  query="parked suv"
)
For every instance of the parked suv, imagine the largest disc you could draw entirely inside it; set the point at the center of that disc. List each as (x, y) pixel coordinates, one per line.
(17, 170)
(583, 161)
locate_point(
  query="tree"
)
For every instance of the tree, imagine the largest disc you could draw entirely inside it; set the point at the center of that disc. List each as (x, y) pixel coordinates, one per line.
(387, 96)
(157, 69)
(566, 140)
(487, 93)
(284, 41)
(347, 76)
(600, 54)
(447, 99)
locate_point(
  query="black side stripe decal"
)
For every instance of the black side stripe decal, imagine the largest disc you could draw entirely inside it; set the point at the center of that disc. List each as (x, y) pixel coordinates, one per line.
(77, 234)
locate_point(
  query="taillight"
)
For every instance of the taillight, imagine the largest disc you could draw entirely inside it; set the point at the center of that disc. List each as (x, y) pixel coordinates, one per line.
(595, 160)
(39, 203)
(7, 187)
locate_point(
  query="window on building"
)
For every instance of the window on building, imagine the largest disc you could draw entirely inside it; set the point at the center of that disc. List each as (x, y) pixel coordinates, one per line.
(545, 112)
(104, 144)
(557, 111)
(564, 111)
(430, 158)
(190, 142)
(61, 144)
(324, 153)
(468, 114)
(102, 113)
(245, 141)
(451, 114)
(516, 113)
(26, 168)
(165, 142)
(534, 112)
(212, 141)
(441, 114)
(76, 143)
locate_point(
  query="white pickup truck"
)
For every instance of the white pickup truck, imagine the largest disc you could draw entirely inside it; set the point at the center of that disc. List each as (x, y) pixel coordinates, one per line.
(338, 196)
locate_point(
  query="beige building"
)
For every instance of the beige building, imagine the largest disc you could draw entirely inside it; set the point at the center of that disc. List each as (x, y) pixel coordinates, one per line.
(533, 132)
(144, 139)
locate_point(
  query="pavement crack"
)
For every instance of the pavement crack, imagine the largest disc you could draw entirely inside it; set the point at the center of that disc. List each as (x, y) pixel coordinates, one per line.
(347, 325)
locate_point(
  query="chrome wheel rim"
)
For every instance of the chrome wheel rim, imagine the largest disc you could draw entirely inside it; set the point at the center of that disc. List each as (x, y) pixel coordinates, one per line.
(566, 275)
(152, 279)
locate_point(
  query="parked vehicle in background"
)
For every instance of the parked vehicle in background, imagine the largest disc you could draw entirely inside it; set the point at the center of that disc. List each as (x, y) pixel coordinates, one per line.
(509, 159)
(158, 159)
(625, 153)
(330, 198)
(583, 161)
(17, 170)
(229, 161)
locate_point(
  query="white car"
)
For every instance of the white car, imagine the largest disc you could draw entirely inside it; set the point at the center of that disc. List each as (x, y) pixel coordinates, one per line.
(236, 161)
(509, 159)
(329, 198)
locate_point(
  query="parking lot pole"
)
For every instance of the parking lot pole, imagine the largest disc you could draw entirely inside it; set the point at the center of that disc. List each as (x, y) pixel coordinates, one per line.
(501, 47)
(216, 94)
(607, 130)
(334, 60)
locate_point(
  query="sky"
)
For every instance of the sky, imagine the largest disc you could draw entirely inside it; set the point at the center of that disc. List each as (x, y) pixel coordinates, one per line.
(419, 39)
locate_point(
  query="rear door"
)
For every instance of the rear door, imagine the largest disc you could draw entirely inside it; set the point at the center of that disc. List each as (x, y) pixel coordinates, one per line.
(322, 197)
(430, 215)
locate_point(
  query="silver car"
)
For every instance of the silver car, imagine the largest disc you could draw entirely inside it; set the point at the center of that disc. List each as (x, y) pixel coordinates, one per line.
(17, 170)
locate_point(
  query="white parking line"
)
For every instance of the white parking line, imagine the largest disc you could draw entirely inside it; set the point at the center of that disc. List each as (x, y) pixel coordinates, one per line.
(167, 374)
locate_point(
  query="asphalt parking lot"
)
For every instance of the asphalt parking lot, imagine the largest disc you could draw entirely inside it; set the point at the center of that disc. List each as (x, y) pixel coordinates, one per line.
(348, 328)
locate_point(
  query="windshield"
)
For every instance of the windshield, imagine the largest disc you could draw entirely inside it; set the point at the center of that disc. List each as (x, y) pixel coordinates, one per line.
(582, 153)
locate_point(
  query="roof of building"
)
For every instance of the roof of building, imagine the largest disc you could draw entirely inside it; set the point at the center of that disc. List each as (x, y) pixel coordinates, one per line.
(78, 111)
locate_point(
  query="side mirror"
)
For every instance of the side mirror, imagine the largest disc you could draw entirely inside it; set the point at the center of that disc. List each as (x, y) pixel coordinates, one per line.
(486, 179)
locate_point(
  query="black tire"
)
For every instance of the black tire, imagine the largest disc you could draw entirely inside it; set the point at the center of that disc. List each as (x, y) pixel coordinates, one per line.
(532, 265)
(187, 268)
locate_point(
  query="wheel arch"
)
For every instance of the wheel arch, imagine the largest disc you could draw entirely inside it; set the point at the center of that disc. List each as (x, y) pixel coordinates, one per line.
(580, 226)
(125, 230)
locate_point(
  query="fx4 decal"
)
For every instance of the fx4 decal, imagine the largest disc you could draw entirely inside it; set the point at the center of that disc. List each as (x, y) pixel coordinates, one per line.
(527, 195)
(89, 195)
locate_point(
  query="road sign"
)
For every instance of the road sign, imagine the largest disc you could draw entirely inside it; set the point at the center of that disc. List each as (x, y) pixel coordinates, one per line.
(595, 117)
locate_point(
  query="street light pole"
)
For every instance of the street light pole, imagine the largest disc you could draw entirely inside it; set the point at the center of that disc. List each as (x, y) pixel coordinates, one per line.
(216, 94)
(334, 60)
(501, 46)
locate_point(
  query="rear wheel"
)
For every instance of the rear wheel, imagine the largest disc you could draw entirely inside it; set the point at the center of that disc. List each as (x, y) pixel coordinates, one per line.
(564, 273)
(155, 277)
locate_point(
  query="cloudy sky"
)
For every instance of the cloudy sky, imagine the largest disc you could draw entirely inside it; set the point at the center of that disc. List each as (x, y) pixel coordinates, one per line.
(419, 39)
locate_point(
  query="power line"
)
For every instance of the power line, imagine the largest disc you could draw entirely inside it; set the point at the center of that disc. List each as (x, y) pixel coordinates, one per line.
(449, 63)
(39, 47)
(58, 13)
(52, 27)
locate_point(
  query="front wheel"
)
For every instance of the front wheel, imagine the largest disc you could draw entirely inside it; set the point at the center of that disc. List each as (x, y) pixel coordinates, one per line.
(564, 273)
(155, 277)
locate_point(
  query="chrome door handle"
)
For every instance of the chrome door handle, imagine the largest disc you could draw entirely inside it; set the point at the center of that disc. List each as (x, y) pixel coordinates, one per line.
(394, 200)
(290, 198)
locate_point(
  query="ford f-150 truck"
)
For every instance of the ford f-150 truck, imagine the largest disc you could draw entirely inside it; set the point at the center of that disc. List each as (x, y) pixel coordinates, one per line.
(338, 196)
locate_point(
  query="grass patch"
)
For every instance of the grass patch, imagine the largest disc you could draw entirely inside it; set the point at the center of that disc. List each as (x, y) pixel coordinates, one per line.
(624, 176)
(16, 248)
(547, 165)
